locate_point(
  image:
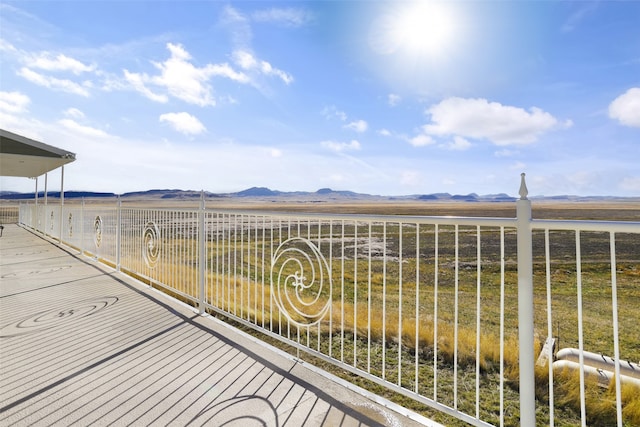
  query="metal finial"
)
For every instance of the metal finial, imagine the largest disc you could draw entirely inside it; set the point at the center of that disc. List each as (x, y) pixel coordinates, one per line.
(523, 188)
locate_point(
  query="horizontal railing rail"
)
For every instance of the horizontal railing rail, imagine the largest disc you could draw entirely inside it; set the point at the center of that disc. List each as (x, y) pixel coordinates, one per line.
(429, 307)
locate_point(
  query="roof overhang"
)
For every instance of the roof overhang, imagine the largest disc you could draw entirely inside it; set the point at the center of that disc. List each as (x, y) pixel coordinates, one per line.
(21, 156)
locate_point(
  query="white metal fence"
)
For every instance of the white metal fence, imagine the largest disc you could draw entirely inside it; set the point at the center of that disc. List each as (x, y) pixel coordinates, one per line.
(8, 214)
(448, 311)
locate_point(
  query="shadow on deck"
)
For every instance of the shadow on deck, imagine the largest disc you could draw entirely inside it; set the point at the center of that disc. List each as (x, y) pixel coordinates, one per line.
(82, 344)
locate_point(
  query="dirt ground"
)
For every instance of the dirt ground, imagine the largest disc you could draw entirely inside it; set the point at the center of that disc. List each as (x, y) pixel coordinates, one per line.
(606, 211)
(601, 210)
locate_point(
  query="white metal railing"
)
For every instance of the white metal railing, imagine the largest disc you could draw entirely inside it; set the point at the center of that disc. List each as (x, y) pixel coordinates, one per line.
(8, 214)
(425, 306)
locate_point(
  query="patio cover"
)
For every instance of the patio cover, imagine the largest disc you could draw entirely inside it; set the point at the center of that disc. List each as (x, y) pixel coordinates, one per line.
(24, 157)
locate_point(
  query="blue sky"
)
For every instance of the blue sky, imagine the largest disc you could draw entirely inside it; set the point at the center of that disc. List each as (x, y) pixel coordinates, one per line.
(387, 98)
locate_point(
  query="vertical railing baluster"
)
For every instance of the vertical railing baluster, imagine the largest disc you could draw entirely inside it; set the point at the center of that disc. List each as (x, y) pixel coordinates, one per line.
(456, 290)
(342, 294)
(400, 260)
(242, 266)
(547, 255)
(435, 312)
(369, 303)
(616, 340)
(118, 232)
(502, 283)
(478, 278)
(202, 255)
(583, 407)
(525, 309)
(355, 295)
(262, 266)
(256, 274)
(417, 326)
(234, 285)
(384, 300)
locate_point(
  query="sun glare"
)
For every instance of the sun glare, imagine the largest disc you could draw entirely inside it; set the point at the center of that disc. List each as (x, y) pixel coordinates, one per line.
(417, 29)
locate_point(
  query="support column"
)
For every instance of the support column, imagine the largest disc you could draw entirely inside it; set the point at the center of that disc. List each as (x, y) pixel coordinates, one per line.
(46, 220)
(61, 202)
(35, 222)
(82, 227)
(525, 309)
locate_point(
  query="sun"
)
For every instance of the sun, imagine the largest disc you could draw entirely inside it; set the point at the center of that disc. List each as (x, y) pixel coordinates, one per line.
(424, 29)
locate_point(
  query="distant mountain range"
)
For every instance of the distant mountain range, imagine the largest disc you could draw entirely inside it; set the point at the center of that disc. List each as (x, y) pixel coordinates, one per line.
(320, 195)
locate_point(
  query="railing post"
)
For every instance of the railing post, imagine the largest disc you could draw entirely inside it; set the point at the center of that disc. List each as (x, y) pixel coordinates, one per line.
(202, 235)
(118, 231)
(525, 308)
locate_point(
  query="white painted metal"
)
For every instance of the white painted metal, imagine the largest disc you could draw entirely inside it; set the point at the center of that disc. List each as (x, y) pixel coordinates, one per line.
(202, 258)
(616, 339)
(376, 269)
(600, 361)
(547, 257)
(61, 203)
(525, 310)
(119, 234)
(502, 284)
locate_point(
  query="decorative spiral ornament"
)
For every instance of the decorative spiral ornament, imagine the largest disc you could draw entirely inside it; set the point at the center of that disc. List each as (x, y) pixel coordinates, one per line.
(97, 231)
(151, 244)
(302, 281)
(70, 227)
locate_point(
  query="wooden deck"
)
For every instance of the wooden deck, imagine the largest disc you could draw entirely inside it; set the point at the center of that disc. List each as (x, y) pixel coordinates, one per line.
(81, 344)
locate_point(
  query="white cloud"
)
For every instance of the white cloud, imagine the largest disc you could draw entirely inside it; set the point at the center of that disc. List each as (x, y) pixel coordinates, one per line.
(47, 61)
(181, 79)
(238, 25)
(275, 152)
(576, 17)
(359, 126)
(385, 132)
(421, 140)
(631, 183)
(137, 82)
(458, 144)
(77, 128)
(506, 153)
(63, 85)
(5, 46)
(410, 178)
(481, 119)
(74, 113)
(13, 102)
(341, 146)
(183, 122)
(626, 108)
(289, 17)
(247, 61)
(518, 166)
(332, 112)
(394, 99)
